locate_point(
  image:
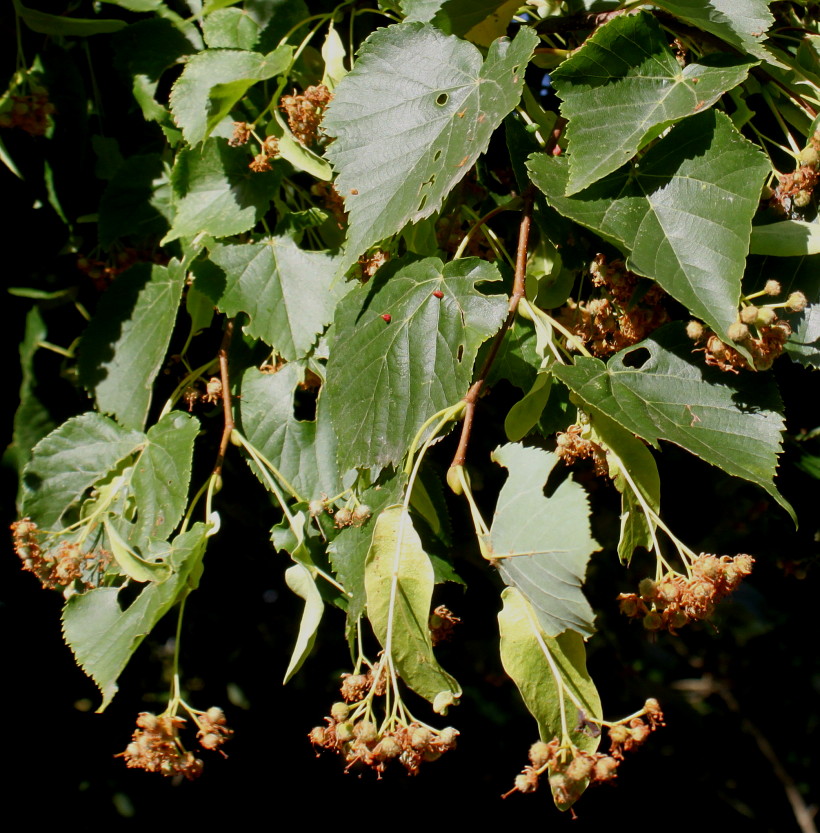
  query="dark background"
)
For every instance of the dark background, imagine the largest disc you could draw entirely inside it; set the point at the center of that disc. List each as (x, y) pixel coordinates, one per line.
(723, 759)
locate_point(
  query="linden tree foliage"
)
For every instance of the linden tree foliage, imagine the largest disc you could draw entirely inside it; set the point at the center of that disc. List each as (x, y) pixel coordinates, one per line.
(359, 251)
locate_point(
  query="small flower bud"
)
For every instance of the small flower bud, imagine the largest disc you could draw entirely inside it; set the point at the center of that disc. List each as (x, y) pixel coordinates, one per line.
(540, 753)
(653, 621)
(339, 711)
(748, 315)
(344, 517)
(361, 513)
(525, 784)
(647, 588)
(605, 769)
(738, 331)
(801, 199)
(694, 329)
(344, 732)
(366, 731)
(809, 156)
(772, 287)
(765, 317)
(797, 302)
(316, 507)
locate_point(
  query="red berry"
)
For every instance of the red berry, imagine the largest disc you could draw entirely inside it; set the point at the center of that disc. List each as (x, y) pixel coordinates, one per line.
(438, 293)
(387, 317)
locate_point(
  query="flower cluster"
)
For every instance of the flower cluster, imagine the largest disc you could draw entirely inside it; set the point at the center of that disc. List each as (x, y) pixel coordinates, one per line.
(60, 566)
(332, 200)
(442, 624)
(675, 600)
(571, 446)
(352, 733)
(241, 134)
(570, 769)
(156, 746)
(621, 317)
(270, 150)
(342, 517)
(794, 190)
(305, 113)
(28, 112)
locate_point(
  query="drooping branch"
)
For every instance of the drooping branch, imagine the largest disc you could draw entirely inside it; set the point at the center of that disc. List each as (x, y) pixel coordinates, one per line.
(227, 404)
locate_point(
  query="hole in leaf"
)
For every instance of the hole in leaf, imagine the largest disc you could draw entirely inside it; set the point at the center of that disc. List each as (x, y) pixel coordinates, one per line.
(436, 155)
(421, 204)
(515, 70)
(637, 358)
(304, 404)
(460, 352)
(441, 99)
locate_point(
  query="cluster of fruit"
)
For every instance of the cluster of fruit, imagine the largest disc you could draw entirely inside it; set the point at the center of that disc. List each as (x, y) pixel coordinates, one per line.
(676, 600)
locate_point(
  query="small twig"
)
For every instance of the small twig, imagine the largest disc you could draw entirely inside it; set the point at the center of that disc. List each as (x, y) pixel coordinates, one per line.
(227, 406)
(517, 294)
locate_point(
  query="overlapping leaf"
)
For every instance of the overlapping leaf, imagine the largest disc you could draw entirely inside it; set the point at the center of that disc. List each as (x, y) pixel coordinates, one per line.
(304, 452)
(162, 473)
(533, 660)
(289, 293)
(124, 346)
(682, 215)
(479, 21)
(543, 544)
(410, 120)
(103, 636)
(216, 193)
(626, 75)
(213, 82)
(301, 582)
(399, 583)
(732, 423)
(70, 460)
(741, 23)
(386, 377)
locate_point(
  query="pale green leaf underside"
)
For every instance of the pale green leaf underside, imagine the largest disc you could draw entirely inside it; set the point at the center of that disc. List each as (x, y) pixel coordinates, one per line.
(741, 23)
(288, 292)
(410, 120)
(213, 82)
(543, 544)
(103, 636)
(399, 583)
(124, 346)
(304, 452)
(384, 379)
(683, 215)
(626, 75)
(301, 582)
(732, 423)
(215, 192)
(70, 460)
(523, 653)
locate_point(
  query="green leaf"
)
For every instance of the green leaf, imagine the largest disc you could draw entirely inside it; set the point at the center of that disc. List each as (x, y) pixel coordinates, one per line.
(216, 193)
(543, 543)
(304, 452)
(301, 582)
(124, 346)
(70, 460)
(626, 74)
(524, 414)
(479, 21)
(230, 29)
(52, 24)
(348, 550)
(399, 583)
(103, 636)
(32, 420)
(302, 158)
(259, 25)
(682, 214)
(145, 50)
(333, 54)
(137, 201)
(406, 369)
(636, 463)
(733, 423)
(410, 120)
(741, 23)
(289, 293)
(162, 473)
(788, 238)
(533, 660)
(214, 81)
(130, 563)
(136, 5)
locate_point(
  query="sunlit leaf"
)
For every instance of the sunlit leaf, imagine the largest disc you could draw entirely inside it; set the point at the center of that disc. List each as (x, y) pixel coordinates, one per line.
(301, 582)
(410, 120)
(399, 583)
(543, 543)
